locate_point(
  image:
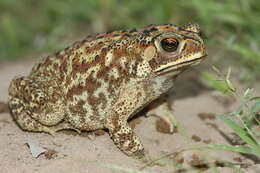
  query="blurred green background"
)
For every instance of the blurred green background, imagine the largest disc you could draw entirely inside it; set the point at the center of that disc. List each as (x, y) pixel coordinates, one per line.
(30, 27)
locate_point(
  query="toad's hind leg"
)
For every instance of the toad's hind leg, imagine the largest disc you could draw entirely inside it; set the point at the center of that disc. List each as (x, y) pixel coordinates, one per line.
(36, 106)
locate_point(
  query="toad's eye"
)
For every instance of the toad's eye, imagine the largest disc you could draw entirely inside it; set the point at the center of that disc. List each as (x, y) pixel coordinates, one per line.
(169, 44)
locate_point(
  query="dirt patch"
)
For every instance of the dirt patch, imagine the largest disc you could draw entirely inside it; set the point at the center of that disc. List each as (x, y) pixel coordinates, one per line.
(207, 141)
(206, 116)
(50, 154)
(195, 138)
(4, 107)
(163, 127)
(198, 163)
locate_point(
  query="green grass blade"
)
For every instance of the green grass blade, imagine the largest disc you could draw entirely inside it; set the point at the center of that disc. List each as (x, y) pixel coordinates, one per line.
(239, 149)
(243, 134)
(216, 84)
(255, 98)
(256, 107)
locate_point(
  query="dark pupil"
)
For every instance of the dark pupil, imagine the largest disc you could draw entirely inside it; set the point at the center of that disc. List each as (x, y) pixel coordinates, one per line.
(169, 44)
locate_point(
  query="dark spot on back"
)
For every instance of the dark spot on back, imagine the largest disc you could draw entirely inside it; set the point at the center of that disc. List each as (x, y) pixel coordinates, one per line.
(96, 57)
(146, 31)
(115, 35)
(143, 42)
(153, 29)
(109, 32)
(98, 37)
(133, 30)
(126, 35)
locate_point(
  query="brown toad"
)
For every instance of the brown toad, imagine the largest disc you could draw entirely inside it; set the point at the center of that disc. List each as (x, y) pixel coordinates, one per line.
(104, 80)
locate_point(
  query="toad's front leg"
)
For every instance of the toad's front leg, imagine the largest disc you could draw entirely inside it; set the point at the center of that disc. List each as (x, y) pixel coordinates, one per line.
(130, 100)
(124, 137)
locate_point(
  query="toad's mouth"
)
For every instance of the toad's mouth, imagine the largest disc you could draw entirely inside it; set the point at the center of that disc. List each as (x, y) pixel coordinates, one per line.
(179, 67)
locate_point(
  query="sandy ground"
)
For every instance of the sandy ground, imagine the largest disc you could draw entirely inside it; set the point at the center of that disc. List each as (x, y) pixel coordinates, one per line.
(69, 152)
